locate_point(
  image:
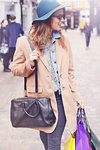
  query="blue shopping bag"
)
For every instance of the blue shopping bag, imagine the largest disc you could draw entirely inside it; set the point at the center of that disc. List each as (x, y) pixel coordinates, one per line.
(4, 50)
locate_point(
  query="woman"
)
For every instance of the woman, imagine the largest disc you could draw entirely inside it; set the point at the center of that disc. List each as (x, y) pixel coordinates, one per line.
(3, 43)
(55, 70)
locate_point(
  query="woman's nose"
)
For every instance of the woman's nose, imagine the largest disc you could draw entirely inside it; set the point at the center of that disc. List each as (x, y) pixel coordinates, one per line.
(62, 20)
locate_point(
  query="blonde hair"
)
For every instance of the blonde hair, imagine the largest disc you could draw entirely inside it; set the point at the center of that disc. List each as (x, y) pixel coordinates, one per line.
(40, 33)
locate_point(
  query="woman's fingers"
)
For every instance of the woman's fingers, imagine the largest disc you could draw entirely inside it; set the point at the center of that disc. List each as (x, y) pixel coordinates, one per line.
(80, 105)
(34, 56)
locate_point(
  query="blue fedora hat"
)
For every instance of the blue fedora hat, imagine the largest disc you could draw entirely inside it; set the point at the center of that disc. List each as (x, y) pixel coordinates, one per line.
(46, 8)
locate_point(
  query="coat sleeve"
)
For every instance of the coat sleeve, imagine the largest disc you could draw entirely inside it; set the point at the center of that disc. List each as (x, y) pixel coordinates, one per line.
(21, 65)
(71, 78)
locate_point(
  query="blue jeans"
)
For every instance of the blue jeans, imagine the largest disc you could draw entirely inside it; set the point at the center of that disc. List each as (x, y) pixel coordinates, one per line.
(52, 141)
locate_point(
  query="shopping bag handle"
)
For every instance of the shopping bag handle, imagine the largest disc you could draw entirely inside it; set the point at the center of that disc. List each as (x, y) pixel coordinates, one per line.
(83, 117)
(80, 116)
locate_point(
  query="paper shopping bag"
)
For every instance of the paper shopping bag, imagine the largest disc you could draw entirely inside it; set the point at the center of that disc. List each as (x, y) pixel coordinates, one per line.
(70, 143)
(82, 142)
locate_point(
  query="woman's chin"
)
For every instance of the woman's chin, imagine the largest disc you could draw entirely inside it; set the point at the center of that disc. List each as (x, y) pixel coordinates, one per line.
(58, 29)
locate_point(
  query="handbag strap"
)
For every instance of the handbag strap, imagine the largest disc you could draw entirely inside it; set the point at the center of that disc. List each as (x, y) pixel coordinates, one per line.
(36, 74)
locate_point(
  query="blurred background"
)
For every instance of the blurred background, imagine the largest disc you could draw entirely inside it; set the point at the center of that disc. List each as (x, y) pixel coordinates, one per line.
(79, 11)
(86, 64)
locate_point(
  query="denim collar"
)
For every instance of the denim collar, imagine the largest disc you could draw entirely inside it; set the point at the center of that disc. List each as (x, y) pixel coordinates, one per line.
(55, 35)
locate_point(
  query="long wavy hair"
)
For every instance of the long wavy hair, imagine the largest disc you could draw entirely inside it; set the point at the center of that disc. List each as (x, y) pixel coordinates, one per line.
(41, 32)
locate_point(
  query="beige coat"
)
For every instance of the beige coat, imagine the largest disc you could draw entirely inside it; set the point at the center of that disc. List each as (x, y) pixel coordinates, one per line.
(21, 67)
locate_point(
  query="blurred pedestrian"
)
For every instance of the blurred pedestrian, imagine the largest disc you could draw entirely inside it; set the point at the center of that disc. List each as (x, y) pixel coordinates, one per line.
(55, 70)
(87, 31)
(81, 27)
(13, 31)
(4, 44)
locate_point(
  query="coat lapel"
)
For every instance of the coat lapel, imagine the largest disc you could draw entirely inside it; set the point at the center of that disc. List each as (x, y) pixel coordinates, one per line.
(59, 55)
(44, 60)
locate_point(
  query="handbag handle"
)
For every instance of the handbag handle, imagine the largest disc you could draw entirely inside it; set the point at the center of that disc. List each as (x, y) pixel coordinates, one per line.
(36, 74)
(36, 114)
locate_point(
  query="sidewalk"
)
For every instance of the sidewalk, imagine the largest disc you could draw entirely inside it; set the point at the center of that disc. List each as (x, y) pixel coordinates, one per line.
(87, 73)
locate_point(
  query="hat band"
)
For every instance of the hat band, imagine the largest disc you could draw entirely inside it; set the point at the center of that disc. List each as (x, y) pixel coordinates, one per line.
(49, 11)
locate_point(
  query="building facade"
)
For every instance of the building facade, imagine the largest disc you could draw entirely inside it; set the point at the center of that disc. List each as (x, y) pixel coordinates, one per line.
(95, 14)
(78, 11)
(76, 4)
(8, 7)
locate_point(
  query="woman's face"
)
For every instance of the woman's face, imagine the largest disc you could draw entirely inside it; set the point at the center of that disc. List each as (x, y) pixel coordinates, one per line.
(57, 19)
(4, 23)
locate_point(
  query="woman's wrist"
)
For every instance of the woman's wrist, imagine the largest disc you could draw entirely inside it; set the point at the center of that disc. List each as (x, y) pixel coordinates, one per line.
(32, 64)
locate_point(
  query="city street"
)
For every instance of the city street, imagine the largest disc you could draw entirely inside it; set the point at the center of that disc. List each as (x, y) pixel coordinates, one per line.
(87, 74)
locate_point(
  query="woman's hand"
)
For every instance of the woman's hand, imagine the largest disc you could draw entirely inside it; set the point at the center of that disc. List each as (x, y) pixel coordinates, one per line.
(34, 56)
(80, 105)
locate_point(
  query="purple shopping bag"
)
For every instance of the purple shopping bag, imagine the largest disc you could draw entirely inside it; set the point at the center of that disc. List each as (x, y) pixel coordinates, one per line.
(81, 136)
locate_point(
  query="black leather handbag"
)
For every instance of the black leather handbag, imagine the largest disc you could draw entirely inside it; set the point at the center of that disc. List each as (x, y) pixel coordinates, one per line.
(32, 112)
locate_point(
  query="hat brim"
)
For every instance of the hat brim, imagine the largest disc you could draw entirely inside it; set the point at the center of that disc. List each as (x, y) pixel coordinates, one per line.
(46, 16)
